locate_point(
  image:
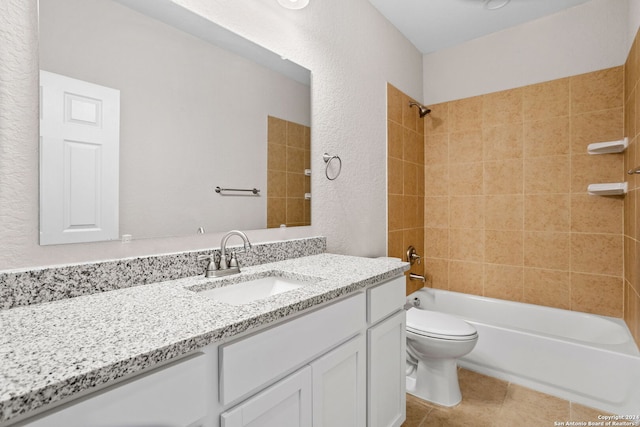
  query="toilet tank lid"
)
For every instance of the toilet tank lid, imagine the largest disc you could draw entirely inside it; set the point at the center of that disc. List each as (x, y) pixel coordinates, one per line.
(428, 321)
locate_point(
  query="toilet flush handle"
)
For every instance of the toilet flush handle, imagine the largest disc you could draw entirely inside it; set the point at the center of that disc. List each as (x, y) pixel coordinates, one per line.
(412, 256)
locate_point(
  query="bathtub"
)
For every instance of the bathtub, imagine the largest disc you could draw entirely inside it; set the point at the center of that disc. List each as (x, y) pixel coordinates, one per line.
(584, 358)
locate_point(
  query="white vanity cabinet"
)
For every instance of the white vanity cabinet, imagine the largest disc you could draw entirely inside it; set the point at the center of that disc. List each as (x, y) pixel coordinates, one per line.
(338, 365)
(329, 344)
(386, 353)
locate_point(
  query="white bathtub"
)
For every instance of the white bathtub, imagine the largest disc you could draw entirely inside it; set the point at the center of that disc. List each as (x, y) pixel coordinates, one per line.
(584, 358)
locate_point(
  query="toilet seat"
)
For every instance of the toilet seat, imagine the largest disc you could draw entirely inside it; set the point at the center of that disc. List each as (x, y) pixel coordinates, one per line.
(438, 325)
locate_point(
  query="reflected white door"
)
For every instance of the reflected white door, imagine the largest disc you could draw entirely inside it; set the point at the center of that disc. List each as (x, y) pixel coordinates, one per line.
(79, 150)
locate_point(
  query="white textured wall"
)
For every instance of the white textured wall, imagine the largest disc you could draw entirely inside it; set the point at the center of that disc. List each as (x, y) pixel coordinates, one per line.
(352, 52)
(634, 21)
(585, 38)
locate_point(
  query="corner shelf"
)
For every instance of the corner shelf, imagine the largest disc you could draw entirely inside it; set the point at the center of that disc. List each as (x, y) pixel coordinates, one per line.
(608, 189)
(610, 147)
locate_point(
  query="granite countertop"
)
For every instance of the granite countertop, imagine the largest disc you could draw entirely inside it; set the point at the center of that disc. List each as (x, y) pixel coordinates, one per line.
(52, 350)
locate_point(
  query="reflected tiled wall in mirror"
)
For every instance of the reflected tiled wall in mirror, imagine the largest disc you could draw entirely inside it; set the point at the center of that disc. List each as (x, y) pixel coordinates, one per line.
(289, 155)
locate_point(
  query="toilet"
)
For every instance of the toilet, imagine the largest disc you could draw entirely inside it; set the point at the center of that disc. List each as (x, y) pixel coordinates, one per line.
(435, 341)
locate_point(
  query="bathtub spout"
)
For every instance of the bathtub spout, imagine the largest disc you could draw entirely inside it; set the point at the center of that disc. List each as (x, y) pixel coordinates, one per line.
(417, 277)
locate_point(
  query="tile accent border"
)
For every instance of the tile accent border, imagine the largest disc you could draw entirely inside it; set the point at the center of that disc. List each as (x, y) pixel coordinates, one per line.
(34, 286)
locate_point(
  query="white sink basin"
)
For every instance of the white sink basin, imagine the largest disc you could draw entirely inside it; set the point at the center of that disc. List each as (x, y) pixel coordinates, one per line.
(253, 290)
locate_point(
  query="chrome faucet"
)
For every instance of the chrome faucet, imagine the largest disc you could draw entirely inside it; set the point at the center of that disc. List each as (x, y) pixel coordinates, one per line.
(223, 250)
(221, 264)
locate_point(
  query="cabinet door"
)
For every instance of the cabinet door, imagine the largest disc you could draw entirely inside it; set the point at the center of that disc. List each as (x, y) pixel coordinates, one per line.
(339, 386)
(170, 396)
(386, 372)
(284, 404)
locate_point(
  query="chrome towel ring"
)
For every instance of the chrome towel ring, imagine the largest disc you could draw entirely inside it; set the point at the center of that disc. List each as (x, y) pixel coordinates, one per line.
(328, 158)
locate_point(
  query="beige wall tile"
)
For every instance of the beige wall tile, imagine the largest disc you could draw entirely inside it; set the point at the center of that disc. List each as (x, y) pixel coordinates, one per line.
(465, 179)
(276, 184)
(276, 130)
(547, 174)
(466, 244)
(629, 161)
(395, 212)
(296, 135)
(547, 287)
(295, 160)
(437, 273)
(590, 214)
(503, 247)
(587, 291)
(503, 142)
(413, 213)
(395, 180)
(276, 212)
(410, 173)
(394, 104)
(631, 211)
(295, 185)
(465, 146)
(637, 106)
(546, 100)
(395, 145)
(503, 107)
(551, 250)
(295, 210)
(436, 212)
(630, 116)
(436, 149)
(438, 119)
(395, 244)
(599, 90)
(548, 137)
(436, 180)
(504, 282)
(597, 253)
(587, 169)
(276, 157)
(503, 177)
(504, 212)
(547, 212)
(465, 114)
(466, 212)
(413, 146)
(597, 126)
(436, 242)
(466, 277)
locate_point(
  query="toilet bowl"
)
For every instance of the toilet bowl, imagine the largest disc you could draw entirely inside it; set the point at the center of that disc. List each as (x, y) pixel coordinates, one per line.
(435, 341)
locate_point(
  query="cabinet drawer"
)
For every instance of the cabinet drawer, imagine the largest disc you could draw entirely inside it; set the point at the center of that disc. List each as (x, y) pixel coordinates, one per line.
(253, 361)
(171, 396)
(384, 299)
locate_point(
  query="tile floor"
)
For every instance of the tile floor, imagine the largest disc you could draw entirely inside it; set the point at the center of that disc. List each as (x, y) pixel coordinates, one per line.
(490, 402)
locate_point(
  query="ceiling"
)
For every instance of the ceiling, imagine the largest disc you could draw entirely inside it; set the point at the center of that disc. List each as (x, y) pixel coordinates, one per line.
(433, 25)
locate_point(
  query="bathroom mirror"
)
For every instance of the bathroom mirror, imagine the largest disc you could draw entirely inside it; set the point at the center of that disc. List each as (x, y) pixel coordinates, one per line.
(200, 108)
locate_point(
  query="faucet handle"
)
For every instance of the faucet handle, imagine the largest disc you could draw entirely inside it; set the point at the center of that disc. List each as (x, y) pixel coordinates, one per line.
(211, 264)
(205, 257)
(233, 262)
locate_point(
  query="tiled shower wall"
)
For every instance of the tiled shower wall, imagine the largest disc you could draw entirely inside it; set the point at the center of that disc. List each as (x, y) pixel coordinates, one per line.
(506, 209)
(405, 181)
(507, 214)
(288, 155)
(632, 200)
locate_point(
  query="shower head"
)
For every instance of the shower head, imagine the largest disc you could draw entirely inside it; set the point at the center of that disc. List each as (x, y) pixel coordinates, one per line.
(423, 110)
